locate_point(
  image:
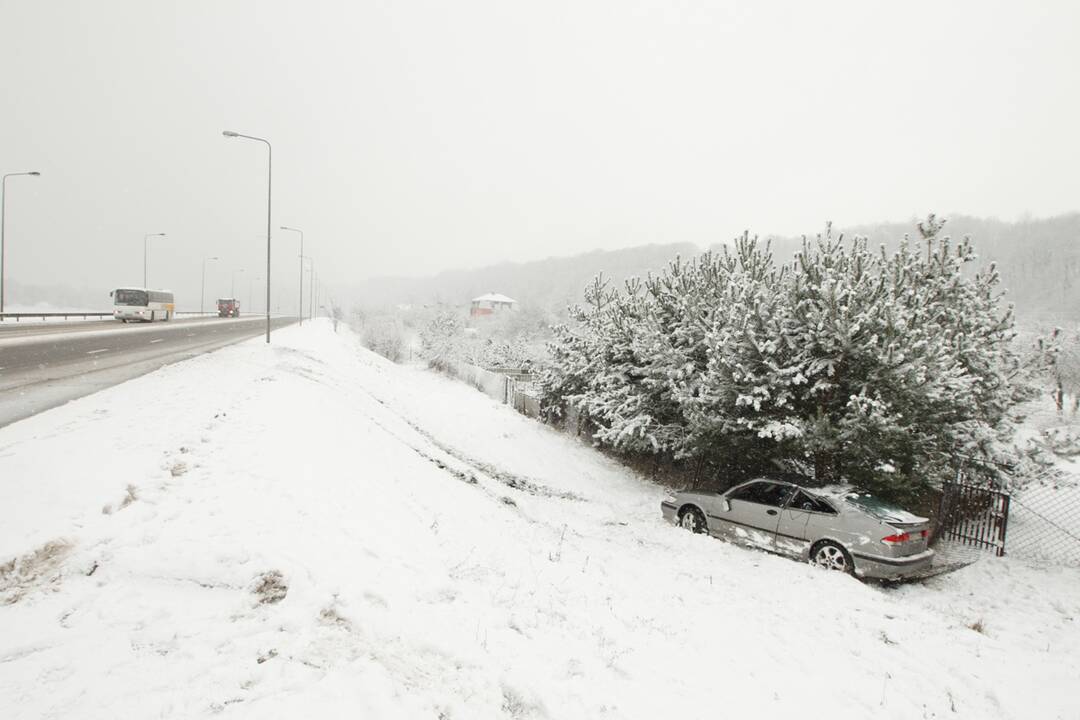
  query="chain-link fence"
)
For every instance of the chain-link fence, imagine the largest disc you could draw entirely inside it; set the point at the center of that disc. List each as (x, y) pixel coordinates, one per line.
(1044, 524)
(1038, 523)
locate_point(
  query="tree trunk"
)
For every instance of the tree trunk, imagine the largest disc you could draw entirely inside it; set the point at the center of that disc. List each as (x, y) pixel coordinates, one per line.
(824, 466)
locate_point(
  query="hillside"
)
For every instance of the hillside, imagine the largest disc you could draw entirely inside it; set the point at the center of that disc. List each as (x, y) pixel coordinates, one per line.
(1039, 260)
(550, 283)
(322, 533)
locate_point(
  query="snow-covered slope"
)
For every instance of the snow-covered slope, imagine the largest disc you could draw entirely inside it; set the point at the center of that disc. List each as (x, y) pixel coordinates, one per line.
(306, 530)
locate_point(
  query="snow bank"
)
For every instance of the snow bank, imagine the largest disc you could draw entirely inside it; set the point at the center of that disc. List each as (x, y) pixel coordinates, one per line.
(307, 530)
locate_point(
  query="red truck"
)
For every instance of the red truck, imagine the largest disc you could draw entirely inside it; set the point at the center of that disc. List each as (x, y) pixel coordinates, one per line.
(228, 307)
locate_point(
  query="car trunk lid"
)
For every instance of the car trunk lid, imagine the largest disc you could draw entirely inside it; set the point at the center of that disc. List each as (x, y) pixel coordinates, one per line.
(908, 538)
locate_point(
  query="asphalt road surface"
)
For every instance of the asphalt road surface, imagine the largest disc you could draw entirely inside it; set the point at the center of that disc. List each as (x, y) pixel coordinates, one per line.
(47, 364)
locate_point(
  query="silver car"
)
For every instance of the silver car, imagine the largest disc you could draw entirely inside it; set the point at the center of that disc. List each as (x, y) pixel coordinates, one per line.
(836, 527)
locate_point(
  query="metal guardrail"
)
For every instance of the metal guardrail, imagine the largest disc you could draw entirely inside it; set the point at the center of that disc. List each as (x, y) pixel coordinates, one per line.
(83, 315)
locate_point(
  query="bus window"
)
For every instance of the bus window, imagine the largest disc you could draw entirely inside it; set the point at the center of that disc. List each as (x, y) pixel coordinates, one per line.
(131, 297)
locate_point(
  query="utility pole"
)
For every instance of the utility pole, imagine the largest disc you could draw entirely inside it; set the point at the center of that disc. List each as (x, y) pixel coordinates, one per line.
(232, 286)
(300, 314)
(3, 219)
(202, 288)
(145, 245)
(269, 205)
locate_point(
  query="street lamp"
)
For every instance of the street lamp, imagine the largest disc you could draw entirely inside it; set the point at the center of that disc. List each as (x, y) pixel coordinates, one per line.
(3, 210)
(232, 286)
(202, 288)
(311, 285)
(251, 286)
(301, 312)
(145, 244)
(269, 195)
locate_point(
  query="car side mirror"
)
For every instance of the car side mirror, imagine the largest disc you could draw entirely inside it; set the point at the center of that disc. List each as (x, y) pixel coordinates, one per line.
(725, 505)
(110, 293)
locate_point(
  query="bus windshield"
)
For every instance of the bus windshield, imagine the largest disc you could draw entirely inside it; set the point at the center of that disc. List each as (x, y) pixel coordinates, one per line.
(130, 297)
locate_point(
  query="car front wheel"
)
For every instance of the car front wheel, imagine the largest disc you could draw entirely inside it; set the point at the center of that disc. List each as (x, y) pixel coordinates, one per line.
(691, 519)
(831, 556)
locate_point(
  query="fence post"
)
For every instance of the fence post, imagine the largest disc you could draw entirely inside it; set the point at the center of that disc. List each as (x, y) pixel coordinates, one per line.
(1004, 523)
(943, 510)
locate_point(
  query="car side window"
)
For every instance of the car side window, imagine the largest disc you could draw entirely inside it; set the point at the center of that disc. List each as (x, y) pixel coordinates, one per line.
(802, 501)
(763, 493)
(746, 493)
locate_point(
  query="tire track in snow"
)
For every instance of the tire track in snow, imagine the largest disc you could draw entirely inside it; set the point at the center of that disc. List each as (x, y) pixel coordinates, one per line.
(473, 467)
(510, 479)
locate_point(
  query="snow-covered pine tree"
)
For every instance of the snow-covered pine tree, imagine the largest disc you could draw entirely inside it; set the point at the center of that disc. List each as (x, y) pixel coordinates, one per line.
(890, 370)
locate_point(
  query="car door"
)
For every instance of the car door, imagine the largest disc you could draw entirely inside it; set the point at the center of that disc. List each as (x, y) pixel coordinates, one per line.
(754, 512)
(823, 520)
(791, 530)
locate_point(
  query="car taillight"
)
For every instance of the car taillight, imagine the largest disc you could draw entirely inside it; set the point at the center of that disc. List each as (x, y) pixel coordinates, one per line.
(905, 537)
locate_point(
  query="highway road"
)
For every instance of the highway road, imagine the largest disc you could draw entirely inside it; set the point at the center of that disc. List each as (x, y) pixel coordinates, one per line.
(47, 364)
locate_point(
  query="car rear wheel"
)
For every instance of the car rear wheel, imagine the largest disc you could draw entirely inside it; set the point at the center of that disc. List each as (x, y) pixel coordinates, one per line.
(831, 556)
(691, 519)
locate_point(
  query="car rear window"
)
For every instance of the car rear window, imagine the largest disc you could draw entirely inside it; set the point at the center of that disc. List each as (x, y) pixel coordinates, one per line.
(803, 501)
(875, 505)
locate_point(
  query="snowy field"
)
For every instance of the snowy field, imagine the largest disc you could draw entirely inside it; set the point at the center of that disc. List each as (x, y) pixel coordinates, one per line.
(305, 530)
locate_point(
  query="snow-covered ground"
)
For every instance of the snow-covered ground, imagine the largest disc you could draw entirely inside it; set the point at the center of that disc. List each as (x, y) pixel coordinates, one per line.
(305, 530)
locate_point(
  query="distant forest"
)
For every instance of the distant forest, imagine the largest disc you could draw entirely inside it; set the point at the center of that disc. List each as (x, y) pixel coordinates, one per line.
(1039, 261)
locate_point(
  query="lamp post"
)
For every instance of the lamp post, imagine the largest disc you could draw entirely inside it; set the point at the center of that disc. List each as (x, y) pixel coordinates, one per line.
(232, 285)
(269, 196)
(3, 212)
(202, 288)
(298, 230)
(145, 245)
(311, 284)
(251, 286)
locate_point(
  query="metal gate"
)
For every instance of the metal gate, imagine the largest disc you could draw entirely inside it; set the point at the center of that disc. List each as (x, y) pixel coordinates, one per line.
(974, 516)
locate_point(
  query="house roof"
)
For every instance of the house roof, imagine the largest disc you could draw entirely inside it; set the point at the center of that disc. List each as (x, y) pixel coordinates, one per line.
(495, 298)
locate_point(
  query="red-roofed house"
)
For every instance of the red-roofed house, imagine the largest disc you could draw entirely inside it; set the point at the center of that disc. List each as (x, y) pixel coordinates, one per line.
(490, 304)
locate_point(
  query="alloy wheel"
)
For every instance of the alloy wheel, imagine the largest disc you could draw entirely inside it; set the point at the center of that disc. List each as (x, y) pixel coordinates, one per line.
(690, 521)
(831, 557)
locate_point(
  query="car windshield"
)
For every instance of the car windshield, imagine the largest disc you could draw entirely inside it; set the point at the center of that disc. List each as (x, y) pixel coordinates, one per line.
(130, 297)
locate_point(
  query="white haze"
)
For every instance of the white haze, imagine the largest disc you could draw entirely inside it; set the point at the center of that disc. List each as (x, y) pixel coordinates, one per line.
(412, 137)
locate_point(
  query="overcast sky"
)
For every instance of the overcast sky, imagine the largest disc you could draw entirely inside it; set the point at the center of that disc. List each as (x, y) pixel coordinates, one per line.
(411, 137)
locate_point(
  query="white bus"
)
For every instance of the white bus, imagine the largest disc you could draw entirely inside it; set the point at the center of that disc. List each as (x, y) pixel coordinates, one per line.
(142, 305)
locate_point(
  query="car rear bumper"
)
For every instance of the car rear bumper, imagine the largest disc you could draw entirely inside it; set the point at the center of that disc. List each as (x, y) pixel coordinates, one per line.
(890, 568)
